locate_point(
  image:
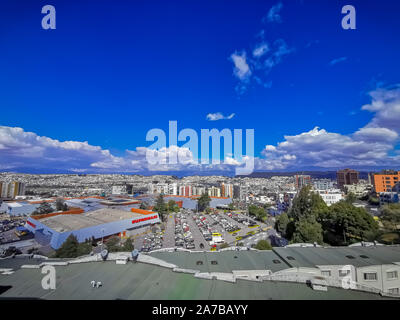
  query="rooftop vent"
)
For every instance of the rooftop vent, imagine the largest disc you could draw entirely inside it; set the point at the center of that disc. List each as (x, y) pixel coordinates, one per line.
(199, 263)
(214, 262)
(350, 257)
(364, 256)
(290, 258)
(276, 261)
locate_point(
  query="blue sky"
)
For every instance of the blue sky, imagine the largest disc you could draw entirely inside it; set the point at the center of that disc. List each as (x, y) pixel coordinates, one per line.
(113, 70)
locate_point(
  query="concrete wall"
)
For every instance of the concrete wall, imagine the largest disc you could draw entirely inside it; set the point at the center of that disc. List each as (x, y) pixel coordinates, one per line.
(382, 283)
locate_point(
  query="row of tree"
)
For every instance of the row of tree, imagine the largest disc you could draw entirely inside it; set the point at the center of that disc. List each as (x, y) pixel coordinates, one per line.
(311, 220)
(45, 207)
(71, 248)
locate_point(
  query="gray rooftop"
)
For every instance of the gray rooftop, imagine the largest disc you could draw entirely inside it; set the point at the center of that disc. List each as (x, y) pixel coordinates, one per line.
(143, 281)
(361, 256)
(69, 222)
(227, 261)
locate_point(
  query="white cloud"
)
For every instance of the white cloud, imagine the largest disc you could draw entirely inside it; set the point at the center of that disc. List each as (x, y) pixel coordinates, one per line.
(241, 68)
(370, 146)
(386, 105)
(219, 116)
(338, 60)
(273, 14)
(260, 50)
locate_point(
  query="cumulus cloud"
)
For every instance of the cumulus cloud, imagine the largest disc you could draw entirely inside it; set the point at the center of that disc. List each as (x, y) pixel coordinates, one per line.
(241, 68)
(369, 147)
(219, 116)
(263, 57)
(372, 146)
(260, 49)
(338, 60)
(28, 151)
(273, 14)
(386, 105)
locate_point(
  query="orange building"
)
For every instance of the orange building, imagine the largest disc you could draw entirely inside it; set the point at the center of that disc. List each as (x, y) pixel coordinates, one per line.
(386, 180)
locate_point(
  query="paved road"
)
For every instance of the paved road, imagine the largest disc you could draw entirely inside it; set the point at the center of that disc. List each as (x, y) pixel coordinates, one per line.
(197, 235)
(169, 234)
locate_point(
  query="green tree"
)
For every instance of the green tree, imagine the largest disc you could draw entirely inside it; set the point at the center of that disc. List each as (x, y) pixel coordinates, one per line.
(113, 244)
(258, 212)
(373, 200)
(391, 215)
(307, 230)
(351, 197)
(44, 208)
(172, 206)
(263, 245)
(69, 249)
(128, 245)
(231, 206)
(281, 223)
(344, 224)
(203, 202)
(144, 206)
(60, 204)
(307, 204)
(161, 207)
(84, 248)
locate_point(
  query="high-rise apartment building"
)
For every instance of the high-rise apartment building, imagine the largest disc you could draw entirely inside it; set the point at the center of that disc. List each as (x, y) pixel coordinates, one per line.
(11, 189)
(347, 177)
(227, 190)
(302, 180)
(385, 181)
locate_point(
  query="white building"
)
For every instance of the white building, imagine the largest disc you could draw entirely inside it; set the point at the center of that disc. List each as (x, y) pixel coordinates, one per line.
(330, 196)
(119, 190)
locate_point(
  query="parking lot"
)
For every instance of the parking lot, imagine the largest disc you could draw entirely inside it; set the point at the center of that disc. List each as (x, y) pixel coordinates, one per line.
(195, 231)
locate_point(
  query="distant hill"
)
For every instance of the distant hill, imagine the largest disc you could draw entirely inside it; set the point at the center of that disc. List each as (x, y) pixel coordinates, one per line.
(313, 174)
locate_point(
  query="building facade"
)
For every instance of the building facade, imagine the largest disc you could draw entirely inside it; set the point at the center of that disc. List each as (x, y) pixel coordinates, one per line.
(347, 177)
(385, 180)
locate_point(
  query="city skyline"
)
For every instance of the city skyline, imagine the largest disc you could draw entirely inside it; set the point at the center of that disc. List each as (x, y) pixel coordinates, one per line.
(83, 99)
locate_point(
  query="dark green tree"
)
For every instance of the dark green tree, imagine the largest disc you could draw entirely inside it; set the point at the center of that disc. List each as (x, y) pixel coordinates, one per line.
(44, 208)
(172, 206)
(307, 230)
(307, 204)
(281, 223)
(258, 212)
(161, 207)
(344, 224)
(144, 206)
(351, 197)
(113, 244)
(263, 245)
(203, 202)
(128, 245)
(69, 249)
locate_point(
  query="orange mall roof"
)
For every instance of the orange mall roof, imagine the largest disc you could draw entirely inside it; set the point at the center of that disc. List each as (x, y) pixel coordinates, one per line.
(141, 211)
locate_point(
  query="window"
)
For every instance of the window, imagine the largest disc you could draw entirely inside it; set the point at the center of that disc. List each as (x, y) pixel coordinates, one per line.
(326, 273)
(343, 273)
(370, 276)
(394, 290)
(391, 275)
